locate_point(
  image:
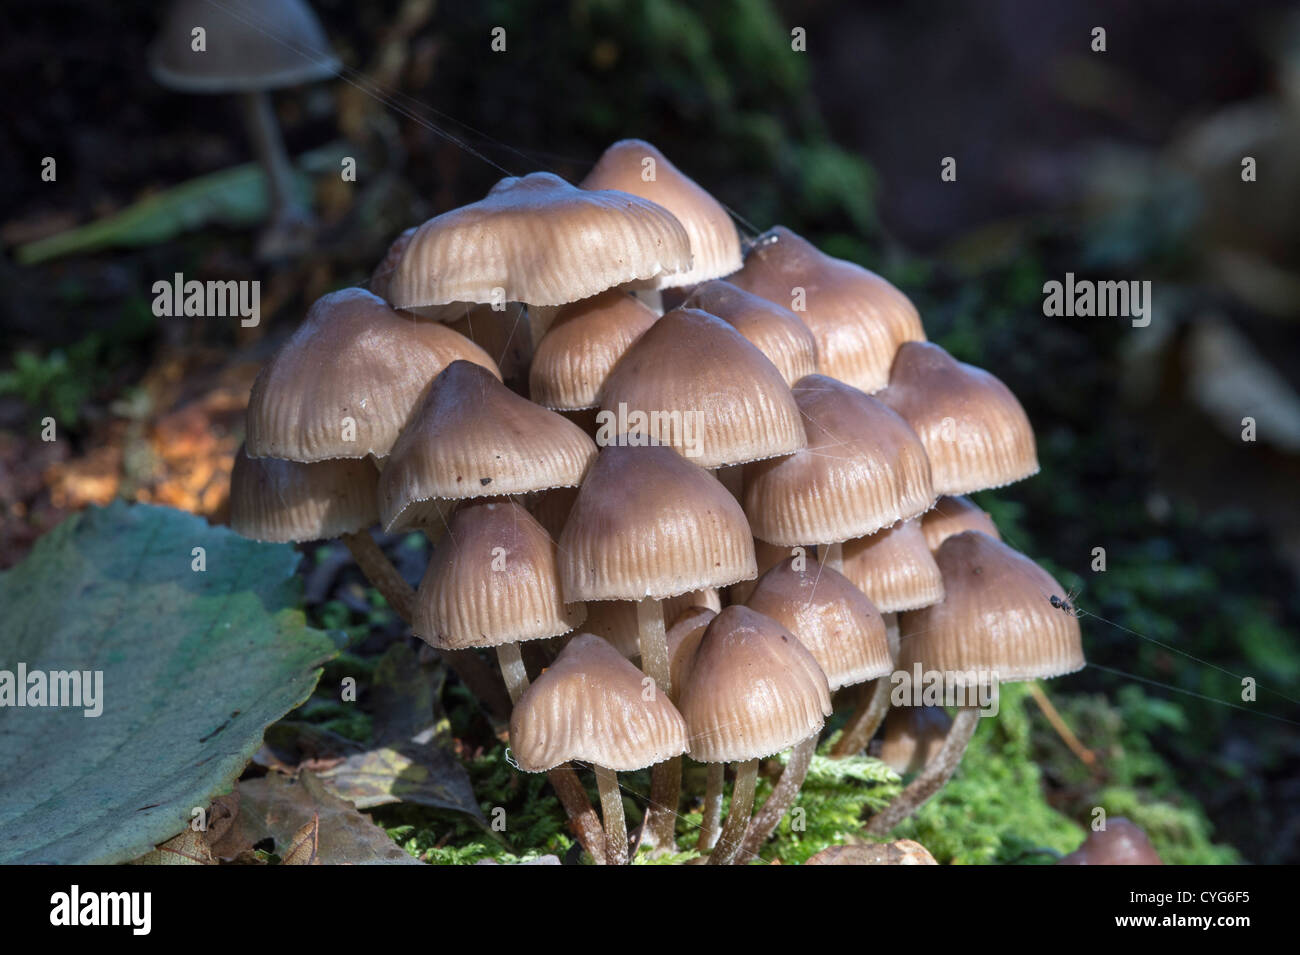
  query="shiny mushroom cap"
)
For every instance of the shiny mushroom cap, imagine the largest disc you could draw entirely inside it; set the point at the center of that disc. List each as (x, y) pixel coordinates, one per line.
(952, 515)
(636, 167)
(858, 318)
(773, 329)
(863, 469)
(346, 382)
(913, 734)
(274, 500)
(894, 567)
(590, 705)
(539, 240)
(975, 431)
(684, 636)
(1120, 843)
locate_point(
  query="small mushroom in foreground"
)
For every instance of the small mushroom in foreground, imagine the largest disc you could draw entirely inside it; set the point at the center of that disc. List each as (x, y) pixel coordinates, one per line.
(902, 852)
(1120, 843)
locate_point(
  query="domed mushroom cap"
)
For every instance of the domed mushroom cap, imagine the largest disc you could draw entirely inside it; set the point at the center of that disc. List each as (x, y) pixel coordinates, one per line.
(493, 579)
(834, 620)
(858, 318)
(684, 636)
(699, 386)
(863, 469)
(715, 245)
(997, 617)
(952, 515)
(274, 500)
(249, 45)
(473, 437)
(774, 330)
(648, 523)
(538, 240)
(753, 690)
(388, 264)
(895, 568)
(913, 734)
(346, 382)
(1120, 843)
(590, 705)
(972, 426)
(902, 852)
(582, 346)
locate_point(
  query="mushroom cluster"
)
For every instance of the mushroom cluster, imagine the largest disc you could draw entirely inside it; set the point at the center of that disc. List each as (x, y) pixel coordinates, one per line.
(703, 521)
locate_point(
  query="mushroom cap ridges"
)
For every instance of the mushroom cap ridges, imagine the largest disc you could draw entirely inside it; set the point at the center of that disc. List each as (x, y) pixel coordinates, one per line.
(582, 346)
(471, 437)
(493, 579)
(540, 240)
(649, 523)
(996, 618)
(863, 469)
(345, 384)
(590, 705)
(894, 567)
(834, 620)
(857, 317)
(773, 329)
(753, 689)
(274, 500)
(975, 431)
(715, 244)
(692, 367)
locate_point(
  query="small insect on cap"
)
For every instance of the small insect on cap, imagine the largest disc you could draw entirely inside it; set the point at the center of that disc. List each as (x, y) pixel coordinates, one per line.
(863, 469)
(952, 515)
(471, 436)
(649, 523)
(773, 329)
(912, 735)
(249, 45)
(591, 705)
(346, 382)
(753, 689)
(636, 167)
(1120, 843)
(274, 500)
(493, 579)
(706, 391)
(834, 620)
(997, 617)
(539, 240)
(973, 428)
(582, 346)
(895, 568)
(857, 318)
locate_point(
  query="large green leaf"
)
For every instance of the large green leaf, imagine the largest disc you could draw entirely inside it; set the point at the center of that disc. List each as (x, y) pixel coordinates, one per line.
(196, 664)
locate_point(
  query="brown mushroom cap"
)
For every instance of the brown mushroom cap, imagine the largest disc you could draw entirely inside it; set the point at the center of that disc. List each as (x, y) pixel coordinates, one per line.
(1120, 843)
(902, 852)
(539, 240)
(834, 620)
(753, 690)
(388, 264)
(997, 617)
(274, 500)
(649, 523)
(895, 568)
(492, 579)
(472, 436)
(913, 734)
(693, 375)
(972, 426)
(715, 245)
(616, 621)
(353, 359)
(683, 637)
(590, 705)
(863, 469)
(249, 45)
(858, 318)
(582, 346)
(773, 329)
(952, 515)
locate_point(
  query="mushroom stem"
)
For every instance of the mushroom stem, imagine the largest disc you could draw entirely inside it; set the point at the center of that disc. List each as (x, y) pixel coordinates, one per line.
(259, 116)
(873, 705)
(513, 670)
(931, 779)
(1086, 756)
(611, 809)
(652, 298)
(466, 664)
(659, 828)
(711, 821)
(742, 803)
(582, 817)
(779, 802)
(834, 557)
